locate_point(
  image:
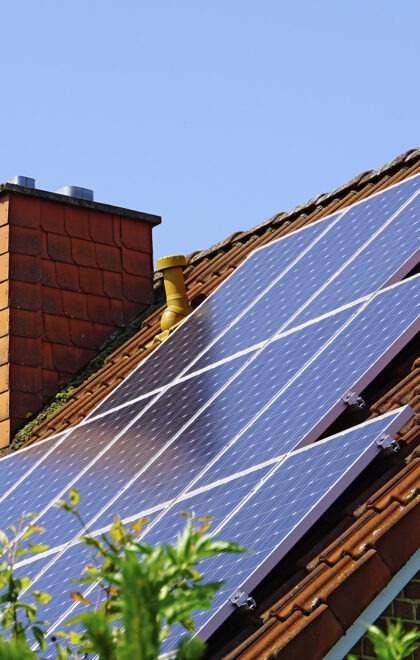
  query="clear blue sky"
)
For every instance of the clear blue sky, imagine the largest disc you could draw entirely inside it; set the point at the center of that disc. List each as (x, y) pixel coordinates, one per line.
(214, 115)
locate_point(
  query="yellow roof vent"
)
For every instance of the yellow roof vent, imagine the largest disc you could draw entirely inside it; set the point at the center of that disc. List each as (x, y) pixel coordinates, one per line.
(178, 306)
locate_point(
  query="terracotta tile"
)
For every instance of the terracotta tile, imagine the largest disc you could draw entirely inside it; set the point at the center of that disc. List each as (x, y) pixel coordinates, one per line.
(136, 235)
(4, 350)
(82, 334)
(69, 358)
(26, 268)
(4, 407)
(351, 595)
(74, 304)
(83, 252)
(4, 267)
(4, 211)
(56, 329)
(137, 289)
(52, 300)
(24, 211)
(77, 222)
(67, 276)
(25, 379)
(23, 404)
(108, 258)
(4, 239)
(25, 241)
(98, 309)
(117, 229)
(25, 323)
(47, 356)
(48, 272)
(91, 280)
(137, 263)
(59, 248)
(24, 350)
(24, 295)
(4, 294)
(117, 312)
(50, 383)
(113, 284)
(52, 217)
(101, 227)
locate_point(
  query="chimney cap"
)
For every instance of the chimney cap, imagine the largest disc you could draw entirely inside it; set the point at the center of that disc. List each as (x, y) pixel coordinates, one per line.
(76, 191)
(20, 180)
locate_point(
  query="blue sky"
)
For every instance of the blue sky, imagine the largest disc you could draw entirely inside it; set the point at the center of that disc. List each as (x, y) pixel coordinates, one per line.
(214, 115)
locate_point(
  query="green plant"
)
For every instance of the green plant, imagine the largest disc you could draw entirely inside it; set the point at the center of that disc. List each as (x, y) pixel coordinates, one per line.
(140, 592)
(395, 644)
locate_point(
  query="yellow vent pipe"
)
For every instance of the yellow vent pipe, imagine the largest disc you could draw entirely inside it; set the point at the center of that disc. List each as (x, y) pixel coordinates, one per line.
(178, 306)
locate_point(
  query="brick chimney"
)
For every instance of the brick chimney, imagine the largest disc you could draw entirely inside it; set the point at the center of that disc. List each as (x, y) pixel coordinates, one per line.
(71, 272)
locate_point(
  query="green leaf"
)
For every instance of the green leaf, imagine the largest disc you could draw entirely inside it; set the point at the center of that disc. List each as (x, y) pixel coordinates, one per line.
(74, 496)
(41, 596)
(4, 540)
(39, 636)
(37, 547)
(190, 649)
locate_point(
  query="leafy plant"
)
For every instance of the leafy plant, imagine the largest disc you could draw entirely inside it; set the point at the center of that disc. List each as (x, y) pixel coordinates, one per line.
(135, 593)
(395, 644)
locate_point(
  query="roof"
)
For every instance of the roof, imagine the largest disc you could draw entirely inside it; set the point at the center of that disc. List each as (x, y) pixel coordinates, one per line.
(309, 601)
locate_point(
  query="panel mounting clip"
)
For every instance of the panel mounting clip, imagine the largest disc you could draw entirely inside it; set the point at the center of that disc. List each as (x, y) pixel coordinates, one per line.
(388, 444)
(353, 400)
(241, 599)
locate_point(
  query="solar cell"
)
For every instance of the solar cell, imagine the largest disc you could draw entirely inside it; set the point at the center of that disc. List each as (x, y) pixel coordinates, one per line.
(311, 401)
(283, 506)
(215, 314)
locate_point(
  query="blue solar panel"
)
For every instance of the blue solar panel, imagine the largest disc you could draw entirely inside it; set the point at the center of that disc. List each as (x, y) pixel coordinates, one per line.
(274, 516)
(312, 401)
(387, 259)
(13, 467)
(215, 314)
(56, 471)
(293, 291)
(215, 427)
(133, 450)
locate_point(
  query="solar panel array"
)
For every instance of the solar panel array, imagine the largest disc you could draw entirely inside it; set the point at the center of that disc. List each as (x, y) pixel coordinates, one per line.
(222, 415)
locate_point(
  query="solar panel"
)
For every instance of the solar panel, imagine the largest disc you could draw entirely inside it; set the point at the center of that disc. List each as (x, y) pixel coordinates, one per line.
(283, 506)
(303, 410)
(329, 275)
(296, 274)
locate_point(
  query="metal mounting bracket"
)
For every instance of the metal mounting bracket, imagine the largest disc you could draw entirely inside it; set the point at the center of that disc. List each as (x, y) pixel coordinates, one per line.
(353, 400)
(241, 599)
(388, 444)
